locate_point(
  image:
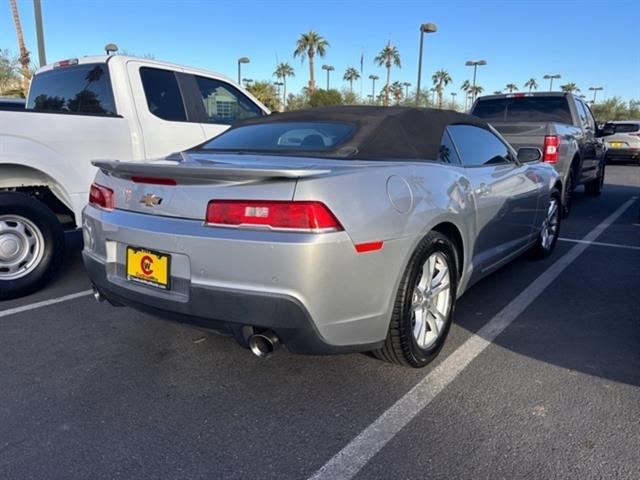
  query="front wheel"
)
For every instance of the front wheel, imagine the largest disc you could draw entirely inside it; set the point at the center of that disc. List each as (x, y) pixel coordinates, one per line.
(424, 304)
(31, 244)
(594, 187)
(550, 230)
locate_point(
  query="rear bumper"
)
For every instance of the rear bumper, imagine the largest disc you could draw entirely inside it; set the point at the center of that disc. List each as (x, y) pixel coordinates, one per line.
(315, 291)
(227, 311)
(623, 154)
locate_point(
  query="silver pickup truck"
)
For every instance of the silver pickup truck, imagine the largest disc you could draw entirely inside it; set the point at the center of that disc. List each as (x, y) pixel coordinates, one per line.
(560, 125)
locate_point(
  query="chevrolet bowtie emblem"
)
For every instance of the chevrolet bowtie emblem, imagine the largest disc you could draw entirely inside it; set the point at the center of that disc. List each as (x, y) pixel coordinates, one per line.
(151, 200)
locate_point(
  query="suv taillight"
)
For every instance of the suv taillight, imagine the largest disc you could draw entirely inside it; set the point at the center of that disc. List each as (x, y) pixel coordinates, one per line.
(551, 148)
(102, 197)
(277, 215)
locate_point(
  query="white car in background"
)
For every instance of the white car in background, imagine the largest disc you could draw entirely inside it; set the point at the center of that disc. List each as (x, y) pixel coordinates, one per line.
(89, 108)
(622, 140)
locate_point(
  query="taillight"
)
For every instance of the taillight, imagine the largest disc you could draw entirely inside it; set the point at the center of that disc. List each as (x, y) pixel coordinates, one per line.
(102, 197)
(551, 149)
(278, 215)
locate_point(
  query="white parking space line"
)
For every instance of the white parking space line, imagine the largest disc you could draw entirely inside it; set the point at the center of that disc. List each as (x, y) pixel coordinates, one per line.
(44, 303)
(354, 456)
(600, 244)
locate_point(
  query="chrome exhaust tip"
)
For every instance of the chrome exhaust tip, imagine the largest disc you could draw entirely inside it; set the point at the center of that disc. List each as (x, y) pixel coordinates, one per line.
(263, 344)
(98, 296)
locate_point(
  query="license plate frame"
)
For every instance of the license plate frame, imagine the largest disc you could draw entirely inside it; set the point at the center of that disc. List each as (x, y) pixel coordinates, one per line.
(139, 259)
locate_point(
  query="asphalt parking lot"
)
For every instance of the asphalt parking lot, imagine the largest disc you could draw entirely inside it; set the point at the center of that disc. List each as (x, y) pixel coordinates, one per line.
(92, 391)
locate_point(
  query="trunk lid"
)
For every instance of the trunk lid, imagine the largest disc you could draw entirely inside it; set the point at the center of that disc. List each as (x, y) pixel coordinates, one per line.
(200, 178)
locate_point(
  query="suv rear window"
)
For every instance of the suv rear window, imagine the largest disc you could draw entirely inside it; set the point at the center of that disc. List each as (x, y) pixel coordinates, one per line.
(626, 127)
(79, 89)
(524, 109)
(282, 137)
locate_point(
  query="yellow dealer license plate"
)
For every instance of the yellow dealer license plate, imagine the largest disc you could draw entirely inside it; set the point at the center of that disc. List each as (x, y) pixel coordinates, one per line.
(150, 268)
(616, 144)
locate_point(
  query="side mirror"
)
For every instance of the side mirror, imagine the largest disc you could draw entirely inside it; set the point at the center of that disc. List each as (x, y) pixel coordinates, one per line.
(608, 129)
(529, 154)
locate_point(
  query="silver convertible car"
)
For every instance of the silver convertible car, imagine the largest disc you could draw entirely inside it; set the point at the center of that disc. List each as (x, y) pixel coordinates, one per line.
(337, 229)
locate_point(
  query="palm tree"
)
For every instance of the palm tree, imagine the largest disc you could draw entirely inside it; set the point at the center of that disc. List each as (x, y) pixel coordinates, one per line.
(465, 87)
(441, 79)
(388, 57)
(570, 87)
(397, 91)
(531, 84)
(284, 70)
(511, 87)
(475, 91)
(350, 75)
(308, 45)
(25, 59)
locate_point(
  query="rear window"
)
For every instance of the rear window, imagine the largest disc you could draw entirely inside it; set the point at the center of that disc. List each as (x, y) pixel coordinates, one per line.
(78, 89)
(626, 127)
(524, 109)
(282, 137)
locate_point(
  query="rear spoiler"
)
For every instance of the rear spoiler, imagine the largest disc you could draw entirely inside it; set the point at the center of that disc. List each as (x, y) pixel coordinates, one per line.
(199, 172)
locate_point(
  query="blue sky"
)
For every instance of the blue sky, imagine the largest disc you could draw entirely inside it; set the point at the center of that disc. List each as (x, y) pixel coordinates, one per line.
(589, 43)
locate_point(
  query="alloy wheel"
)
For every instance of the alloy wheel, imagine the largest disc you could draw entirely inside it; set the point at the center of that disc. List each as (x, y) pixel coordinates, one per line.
(430, 303)
(550, 224)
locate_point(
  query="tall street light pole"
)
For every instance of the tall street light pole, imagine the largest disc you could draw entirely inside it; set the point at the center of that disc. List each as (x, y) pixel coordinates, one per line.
(475, 64)
(551, 78)
(453, 99)
(595, 91)
(373, 79)
(328, 68)
(37, 11)
(241, 60)
(424, 28)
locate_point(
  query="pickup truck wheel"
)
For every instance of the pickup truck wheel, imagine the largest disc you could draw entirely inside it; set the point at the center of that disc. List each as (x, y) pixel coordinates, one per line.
(424, 304)
(593, 188)
(550, 230)
(31, 244)
(569, 187)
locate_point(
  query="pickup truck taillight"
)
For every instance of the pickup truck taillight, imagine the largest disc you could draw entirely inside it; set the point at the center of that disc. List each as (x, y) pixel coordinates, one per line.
(101, 197)
(277, 215)
(551, 149)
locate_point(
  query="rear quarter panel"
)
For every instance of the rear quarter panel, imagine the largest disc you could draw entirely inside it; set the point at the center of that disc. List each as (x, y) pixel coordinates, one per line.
(397, 203)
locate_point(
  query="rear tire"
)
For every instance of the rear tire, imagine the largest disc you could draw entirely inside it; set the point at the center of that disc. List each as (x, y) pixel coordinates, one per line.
(424, 304)
(31, 244)
(568, 190)
(550, 231)
(593, 188)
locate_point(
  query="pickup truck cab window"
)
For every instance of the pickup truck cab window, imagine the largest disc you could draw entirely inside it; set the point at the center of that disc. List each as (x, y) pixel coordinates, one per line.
(225, 104)
(478, 147)
(582, 113)
(82, 88)
(163, 94)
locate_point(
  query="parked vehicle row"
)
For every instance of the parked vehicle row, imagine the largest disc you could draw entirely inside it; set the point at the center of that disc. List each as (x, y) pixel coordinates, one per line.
(89, 108)
(561, 125)
(330, 230)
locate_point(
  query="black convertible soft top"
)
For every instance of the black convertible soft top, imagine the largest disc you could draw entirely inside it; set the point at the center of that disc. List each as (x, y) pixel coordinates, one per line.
(381, 132)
